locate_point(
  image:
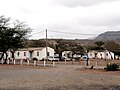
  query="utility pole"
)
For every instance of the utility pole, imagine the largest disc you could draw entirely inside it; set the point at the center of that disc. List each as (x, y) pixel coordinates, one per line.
(46, 47)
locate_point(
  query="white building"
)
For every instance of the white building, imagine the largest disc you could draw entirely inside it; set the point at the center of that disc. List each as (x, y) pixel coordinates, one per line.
(67, 54)
(92, 54)
(101, 55)
(30, 53)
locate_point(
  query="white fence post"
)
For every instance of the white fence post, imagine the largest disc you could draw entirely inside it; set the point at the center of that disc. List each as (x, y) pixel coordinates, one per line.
(44, 63)
(53, 64)
(89, 61)
(2, 61)
(28, 62)
(34, 62)
(8, 61)
(21, 62)
(14, 61)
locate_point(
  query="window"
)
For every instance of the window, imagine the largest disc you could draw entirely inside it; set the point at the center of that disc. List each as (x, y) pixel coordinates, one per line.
(18, 54)
(106, 54)
(37, 53)
(24, 53)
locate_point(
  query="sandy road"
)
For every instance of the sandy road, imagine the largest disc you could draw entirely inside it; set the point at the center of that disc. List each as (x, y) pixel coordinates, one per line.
(61, 77)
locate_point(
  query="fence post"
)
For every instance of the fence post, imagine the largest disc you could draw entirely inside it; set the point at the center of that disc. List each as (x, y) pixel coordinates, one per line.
(8, 61)
(85, 63)
(53, 64)
(21, 62)
(89, 61)
(28, 62)
(96, 63)
(2, 61)
(73, 61)
(79, 61)
(14, 61)
(34, 62)
(44, 63)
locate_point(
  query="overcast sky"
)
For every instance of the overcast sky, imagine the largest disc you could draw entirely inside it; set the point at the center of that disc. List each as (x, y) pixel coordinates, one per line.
(73, 16)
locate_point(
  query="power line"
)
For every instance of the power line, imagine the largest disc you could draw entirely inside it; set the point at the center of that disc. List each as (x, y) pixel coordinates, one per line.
(36, 33)
(79, 34)
(72, 33)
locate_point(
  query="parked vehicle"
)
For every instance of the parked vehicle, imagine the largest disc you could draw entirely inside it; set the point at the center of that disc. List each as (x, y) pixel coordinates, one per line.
(85, 57)
(63, 58)
(53, 58)
(56, 58)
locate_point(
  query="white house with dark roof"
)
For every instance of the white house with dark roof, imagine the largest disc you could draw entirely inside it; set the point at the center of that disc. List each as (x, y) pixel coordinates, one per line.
(39, 53)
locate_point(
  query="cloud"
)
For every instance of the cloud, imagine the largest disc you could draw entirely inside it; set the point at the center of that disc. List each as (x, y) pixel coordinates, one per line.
(85, 20)
(75, 3)
(85, 16)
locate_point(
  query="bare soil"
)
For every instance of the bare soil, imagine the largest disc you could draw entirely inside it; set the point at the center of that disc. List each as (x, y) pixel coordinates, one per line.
(61, 77)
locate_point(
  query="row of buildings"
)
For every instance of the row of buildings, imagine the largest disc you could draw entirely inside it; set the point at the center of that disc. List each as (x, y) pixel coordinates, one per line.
(93, 54)
(31, 53)
(40, 53)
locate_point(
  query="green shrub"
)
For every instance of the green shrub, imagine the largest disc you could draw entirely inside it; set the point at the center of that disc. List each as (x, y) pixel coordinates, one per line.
(112, 67)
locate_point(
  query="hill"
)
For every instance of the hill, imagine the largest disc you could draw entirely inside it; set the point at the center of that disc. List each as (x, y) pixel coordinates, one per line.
(110, 35)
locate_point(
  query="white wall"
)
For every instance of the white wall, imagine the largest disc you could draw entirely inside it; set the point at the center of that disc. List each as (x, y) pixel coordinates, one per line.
(39, 52)
(21, 54)
(65, 53)
(106, 55)
(101, 55)
(91, 55)
(109, 55)
(50, 50)
(9, 54)
(42, 53)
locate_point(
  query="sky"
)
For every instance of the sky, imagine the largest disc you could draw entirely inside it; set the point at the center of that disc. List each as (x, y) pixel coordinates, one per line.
(70, 19)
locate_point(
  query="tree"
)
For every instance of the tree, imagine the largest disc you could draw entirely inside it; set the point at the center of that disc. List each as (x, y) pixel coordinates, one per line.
(94, 48)
(99, 43)
(113, 46)
(36, 43)
(63, 45)
(76, 49)
(60, 47)
(12, 36)
(98, 46)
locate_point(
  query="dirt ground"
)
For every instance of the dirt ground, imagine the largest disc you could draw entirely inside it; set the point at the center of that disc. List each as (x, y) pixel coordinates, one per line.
(61, 77)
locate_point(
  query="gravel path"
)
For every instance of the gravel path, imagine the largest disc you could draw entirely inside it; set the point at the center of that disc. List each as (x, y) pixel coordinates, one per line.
(61, 77)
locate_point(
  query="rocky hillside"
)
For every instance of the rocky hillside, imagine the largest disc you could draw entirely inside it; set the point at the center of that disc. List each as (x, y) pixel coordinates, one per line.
(110, 35)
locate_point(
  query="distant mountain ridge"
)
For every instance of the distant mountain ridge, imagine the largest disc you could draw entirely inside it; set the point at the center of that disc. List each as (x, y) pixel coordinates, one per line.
(109, 35)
